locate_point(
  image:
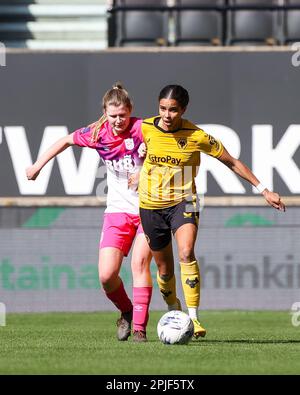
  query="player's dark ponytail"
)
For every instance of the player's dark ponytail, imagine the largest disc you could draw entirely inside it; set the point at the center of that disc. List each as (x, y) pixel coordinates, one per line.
(177, 93)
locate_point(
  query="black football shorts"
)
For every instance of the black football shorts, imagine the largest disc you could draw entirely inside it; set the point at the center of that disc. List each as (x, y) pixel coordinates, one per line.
(158, 224)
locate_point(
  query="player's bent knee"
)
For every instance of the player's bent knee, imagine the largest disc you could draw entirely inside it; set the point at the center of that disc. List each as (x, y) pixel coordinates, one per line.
(186, 254)
(140, 265)
(107, 279)
(166, 277)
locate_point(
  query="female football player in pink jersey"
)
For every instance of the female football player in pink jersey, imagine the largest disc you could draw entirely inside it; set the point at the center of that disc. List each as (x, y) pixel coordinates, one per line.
(117, 136)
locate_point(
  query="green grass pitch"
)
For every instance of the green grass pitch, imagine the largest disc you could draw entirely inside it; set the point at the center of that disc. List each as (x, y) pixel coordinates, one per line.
(237, 342)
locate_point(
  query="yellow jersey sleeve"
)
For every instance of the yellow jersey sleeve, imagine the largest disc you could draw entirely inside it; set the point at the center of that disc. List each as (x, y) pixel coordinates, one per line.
(209, 145)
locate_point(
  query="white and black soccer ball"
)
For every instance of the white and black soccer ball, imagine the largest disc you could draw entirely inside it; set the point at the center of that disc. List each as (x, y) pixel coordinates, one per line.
(175, 327)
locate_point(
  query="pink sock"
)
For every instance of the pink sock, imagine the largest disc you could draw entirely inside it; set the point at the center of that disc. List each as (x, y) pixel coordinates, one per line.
(141, 302)
(120, 299)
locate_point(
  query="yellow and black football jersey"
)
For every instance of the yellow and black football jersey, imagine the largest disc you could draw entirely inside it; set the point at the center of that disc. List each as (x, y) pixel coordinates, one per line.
(172, 161)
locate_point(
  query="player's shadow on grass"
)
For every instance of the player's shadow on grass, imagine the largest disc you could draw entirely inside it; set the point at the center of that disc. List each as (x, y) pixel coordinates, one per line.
(248, 341)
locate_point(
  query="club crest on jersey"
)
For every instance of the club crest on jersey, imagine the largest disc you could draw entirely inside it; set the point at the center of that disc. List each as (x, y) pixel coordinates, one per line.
(129, 144)
(85, 130)
(182, 142)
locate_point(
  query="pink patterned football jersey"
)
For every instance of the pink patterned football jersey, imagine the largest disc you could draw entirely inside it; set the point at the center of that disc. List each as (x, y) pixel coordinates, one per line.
(120, 155)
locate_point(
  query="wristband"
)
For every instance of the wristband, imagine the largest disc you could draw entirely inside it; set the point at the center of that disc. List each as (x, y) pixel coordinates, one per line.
(260, 187)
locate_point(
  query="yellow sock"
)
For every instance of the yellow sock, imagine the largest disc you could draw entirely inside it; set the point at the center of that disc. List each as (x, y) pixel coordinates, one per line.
(190, 278)
(167, 289)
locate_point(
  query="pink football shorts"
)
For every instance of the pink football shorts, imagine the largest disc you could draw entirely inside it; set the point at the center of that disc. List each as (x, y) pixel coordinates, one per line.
(119, 230)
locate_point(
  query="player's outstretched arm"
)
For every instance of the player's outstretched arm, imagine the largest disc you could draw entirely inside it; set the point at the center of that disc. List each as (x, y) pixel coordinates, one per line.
(59, 146)
(243, 171)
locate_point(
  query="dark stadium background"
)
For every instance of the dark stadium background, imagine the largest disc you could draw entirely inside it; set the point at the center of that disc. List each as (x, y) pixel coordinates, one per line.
(48, 246)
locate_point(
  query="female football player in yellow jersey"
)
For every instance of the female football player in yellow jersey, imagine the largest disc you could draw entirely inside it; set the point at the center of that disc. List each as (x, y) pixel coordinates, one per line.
(167, 194)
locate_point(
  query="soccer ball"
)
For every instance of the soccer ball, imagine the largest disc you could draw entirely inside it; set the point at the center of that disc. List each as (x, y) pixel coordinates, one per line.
(175, 327)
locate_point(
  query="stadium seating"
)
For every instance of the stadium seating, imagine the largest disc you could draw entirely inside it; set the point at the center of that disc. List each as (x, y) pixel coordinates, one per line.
(54, 24)
(291, 23)
(87, 24)
(141, 28)
(198, 27)
(253, 27)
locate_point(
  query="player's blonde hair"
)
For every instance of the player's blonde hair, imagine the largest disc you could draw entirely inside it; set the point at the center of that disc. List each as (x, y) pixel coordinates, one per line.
(116, 96)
